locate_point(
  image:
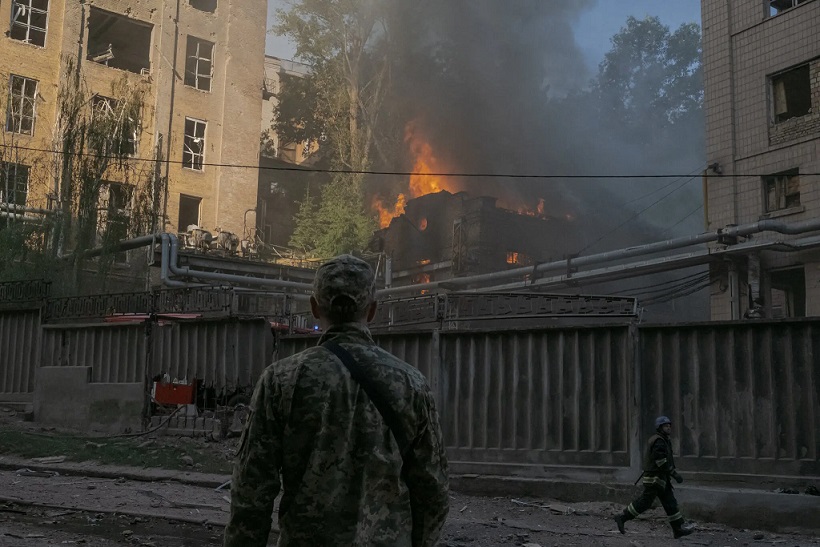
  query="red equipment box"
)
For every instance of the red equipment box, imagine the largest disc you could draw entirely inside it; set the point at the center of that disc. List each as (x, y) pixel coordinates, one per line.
(174, 394)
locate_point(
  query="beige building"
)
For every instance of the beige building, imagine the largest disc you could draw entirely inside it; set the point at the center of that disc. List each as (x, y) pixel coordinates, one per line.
(762, 76)
(199, 61)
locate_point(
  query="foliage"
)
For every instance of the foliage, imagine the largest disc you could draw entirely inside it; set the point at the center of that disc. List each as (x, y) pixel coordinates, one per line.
(101, 195)
(338, 223)
(339, 103)
(652, 74)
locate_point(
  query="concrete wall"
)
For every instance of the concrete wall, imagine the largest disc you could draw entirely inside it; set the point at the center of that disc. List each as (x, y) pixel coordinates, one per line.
(743, 46)
(65, 396)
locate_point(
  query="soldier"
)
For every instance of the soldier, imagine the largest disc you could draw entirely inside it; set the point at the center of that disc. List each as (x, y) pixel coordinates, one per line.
(350, 432)
(658, 470)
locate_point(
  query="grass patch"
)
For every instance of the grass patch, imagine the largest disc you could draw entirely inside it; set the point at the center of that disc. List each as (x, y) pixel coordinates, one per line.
(135, 452)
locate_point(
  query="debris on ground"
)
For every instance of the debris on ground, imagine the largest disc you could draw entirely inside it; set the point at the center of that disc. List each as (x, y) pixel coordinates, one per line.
(49, 459)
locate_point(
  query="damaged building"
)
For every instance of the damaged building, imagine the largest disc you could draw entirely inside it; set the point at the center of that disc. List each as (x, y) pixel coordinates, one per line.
(199, 63)
(443, 235)
(762, 77)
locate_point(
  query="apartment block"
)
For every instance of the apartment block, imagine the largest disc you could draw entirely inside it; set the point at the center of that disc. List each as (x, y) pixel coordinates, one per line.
(761, 63)
(199, 62)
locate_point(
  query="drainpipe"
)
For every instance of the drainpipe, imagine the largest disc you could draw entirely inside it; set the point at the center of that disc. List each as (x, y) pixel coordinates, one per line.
(185, 271)
(619, 254)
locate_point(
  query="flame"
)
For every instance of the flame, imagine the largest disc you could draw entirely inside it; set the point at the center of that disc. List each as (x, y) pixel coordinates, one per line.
(387, 212)
(422, 181)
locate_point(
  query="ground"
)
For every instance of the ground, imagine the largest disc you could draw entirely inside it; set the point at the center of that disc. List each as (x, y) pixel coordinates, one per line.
(42, 509)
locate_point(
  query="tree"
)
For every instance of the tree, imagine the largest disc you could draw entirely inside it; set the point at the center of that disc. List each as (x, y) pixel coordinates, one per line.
(651, 75)
(339, 103)
(101, 195)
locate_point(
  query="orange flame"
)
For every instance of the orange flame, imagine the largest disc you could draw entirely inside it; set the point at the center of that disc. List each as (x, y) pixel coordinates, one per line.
(422, 181)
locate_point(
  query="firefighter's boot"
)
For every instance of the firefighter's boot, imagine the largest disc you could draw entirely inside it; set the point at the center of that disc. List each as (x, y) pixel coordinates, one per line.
(620, 520)
(679, 529)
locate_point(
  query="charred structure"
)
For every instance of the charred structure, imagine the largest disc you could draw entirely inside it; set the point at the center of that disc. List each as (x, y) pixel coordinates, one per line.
(444, 235)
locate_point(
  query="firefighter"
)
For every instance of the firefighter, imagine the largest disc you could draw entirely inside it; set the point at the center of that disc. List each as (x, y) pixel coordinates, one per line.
(658, 472)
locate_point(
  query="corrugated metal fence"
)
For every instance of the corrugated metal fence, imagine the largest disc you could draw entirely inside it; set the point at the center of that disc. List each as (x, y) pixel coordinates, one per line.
(744, 397)
(19, 353)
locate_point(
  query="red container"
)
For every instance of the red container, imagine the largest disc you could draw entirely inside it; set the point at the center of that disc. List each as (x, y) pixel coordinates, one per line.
(174, 394)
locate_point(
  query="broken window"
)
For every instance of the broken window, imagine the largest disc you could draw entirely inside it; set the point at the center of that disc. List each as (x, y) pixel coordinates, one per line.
(28, 21)
(109, 110)
(203, 5)
(782, 190)
(188, 212)
(21, 108)
(193, 153)
(199, 63)
(13, 183)
(776, 6)
(788, 296)
(792, 93)
(119, 42)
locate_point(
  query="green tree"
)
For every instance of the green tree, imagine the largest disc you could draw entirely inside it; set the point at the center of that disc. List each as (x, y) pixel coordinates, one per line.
(344, 42)
(651, 74)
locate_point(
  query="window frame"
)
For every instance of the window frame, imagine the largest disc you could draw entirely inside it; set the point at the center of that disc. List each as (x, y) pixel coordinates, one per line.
(111, 106)
(198, 60)
(13, 126)
(778, 118)
(190, 152)
(774, 12)
(198, 199)
(5, 176)
(28, 12)
(780, 182)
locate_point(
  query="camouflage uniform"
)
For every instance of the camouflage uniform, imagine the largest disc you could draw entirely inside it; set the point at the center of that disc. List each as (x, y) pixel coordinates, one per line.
(314, 432)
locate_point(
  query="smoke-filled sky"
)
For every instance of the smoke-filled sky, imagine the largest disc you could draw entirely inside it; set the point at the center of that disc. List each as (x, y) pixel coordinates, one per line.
(491, 110)
(593, 28)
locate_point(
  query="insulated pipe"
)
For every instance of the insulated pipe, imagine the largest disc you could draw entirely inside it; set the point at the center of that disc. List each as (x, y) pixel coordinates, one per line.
(24, 209)
(619, 254)
(185, 271)
(164, 275)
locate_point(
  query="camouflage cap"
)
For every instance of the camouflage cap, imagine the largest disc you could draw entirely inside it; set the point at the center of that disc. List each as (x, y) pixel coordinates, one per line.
(344, 275)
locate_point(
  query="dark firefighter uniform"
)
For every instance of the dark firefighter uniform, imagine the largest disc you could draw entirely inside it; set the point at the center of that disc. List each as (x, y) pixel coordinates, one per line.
(658, 472)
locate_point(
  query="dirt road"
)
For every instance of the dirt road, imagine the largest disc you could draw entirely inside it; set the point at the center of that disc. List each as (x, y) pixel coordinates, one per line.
(61, 510)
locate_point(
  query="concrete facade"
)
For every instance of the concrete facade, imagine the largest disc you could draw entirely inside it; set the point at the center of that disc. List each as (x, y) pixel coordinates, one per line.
(762, 77)
(154, 43)
(65, 396)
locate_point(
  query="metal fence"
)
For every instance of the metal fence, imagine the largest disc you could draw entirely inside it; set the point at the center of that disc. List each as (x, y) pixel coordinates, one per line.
(744, 398)
(19, 353)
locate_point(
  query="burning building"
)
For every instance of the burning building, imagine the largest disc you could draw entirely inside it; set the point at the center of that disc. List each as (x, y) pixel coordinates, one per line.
(443, 235)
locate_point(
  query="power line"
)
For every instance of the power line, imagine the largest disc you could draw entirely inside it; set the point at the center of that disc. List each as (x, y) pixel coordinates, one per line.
(636, 215)
(695, 210)
(309, 170)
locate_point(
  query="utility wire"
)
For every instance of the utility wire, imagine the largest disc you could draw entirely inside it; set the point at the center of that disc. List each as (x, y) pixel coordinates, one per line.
(636, 215)
(641, 290)
(698, 208)
(308, 170)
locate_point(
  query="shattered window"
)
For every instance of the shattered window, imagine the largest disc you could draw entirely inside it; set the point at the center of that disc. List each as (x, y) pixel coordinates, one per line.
(776, 6)
(188, 212)
(199, 63)
(782, 190)
(193, 153)
(792, 93)
(109, 109)
(13, 183)
(28, 21)
(21, 108)
(119, 42)
(203, 5)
